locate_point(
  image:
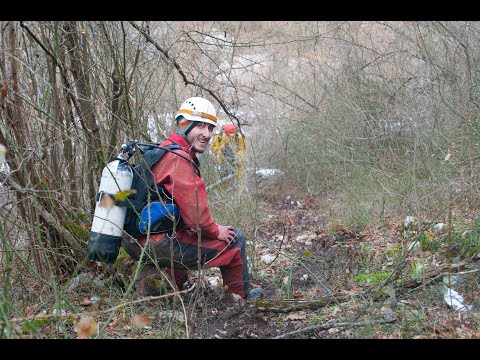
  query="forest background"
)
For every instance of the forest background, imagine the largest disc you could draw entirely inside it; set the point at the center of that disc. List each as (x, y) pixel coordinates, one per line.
(367, 122)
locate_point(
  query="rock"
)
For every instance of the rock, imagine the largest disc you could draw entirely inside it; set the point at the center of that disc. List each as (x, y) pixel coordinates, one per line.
(305, 237)
(452, 280)
(231, 299)
(438, 227)
(59, 312)
(267, 259)
(176, 315)
(83, 278)
(410, 223)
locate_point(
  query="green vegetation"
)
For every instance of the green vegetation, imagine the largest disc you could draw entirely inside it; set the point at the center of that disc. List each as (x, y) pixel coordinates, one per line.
(371, 278)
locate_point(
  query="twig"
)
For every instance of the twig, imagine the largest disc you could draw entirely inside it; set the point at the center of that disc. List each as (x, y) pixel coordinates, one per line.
(63, 73)
(171, 61)
(401, 265)
(466, 272)
(149, 298)
(442, 274)
(333, 325)
(287, 305)
(48, 217)
(221, 181)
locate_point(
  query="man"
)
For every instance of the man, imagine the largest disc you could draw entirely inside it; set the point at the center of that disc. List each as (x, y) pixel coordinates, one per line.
(216, 145)
(219, 245)
(229, 146)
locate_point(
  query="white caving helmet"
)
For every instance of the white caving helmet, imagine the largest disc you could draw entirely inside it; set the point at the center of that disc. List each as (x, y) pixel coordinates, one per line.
(198, 109)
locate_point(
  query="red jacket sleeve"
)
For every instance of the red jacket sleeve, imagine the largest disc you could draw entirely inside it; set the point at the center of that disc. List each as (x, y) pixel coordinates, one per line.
(188, 190)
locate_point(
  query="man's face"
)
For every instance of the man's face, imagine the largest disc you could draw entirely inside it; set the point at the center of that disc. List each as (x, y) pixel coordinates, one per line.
(200, 136)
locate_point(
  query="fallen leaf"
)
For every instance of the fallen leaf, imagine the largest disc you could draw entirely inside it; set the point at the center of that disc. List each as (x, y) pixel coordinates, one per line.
(140, 321)
(86, 327)
(4, 91)
(297, 294)
(85, 302)
(298, 316)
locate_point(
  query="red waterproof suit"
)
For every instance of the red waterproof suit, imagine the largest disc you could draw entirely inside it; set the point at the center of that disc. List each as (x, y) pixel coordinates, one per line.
(199, 236)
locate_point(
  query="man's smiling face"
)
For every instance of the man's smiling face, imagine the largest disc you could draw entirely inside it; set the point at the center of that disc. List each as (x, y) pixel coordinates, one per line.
(200, 136)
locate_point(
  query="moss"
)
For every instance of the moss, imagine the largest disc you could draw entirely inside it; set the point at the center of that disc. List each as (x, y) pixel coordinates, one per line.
(31, 326)
(151, 285)
(371, 278)
(316, 318)
(278, 304)
(155, 285)
(263, 303)
(78, 231)
(122, 256)
(82, 216)
(125, 265)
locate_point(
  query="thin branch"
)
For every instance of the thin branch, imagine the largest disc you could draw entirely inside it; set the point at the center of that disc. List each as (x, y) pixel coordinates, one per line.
(148, 298)
(334, 325)
(170, 61)
(64, 76)
(49, 218)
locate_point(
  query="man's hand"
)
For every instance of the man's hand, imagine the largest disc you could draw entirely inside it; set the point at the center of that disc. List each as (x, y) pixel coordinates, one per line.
(226, 233)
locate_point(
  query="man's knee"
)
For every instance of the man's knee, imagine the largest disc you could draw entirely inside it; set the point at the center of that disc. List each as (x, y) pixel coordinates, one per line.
(240, 239)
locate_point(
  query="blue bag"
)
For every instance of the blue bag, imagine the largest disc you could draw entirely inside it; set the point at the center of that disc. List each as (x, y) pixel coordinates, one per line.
(158, 217)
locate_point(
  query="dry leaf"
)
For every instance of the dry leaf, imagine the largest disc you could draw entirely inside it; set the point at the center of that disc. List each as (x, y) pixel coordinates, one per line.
(106, 202)
(298, 316)
(140, 321)
(320, 293)
(3, 91)
(85, 302)
(86, 327)
(297, 294)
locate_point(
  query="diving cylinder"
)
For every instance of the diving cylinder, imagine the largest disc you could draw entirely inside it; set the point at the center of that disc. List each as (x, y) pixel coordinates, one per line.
(107, 225)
